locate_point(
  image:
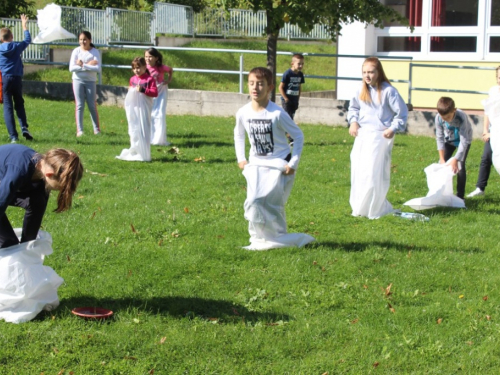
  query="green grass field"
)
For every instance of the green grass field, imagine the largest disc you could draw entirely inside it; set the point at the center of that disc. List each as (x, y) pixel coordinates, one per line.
(160, 244)
(321, 66)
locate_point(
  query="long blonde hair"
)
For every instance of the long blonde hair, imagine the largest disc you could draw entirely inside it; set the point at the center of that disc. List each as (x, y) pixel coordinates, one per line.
(364, 95)
(68, 171)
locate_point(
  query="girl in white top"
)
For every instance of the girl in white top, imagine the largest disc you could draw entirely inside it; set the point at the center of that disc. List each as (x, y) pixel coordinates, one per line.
(85, 63)
(376, 113)
(487, 157)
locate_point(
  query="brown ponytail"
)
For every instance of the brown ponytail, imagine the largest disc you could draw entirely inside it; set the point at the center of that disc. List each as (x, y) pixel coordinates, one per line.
(68, 171)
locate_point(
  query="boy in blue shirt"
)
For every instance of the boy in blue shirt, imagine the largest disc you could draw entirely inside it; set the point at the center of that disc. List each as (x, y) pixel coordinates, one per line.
(12, 68)
(453, 132)
(290, 86)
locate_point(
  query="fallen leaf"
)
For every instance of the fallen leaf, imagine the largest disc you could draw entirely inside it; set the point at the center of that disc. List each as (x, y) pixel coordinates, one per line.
(151, 372)
(61, 372)
(220, 236)
(201, 158)
(235, 311)
(365, 286)
(133, 228)
(55, 350)
(129, 357)
(409, 254)
(163, 339)
(312, 223)
(440, 320)
(391, 309)
(334, 160)
(93, 215)
(67, 257)
(186, 210)
(388, 290)
(136, 321)
(485, 298)
(461, 296)
(80, 197)
(376, 364)
(96, 173)
(325, 373)
(175, 233)
(469, 342)
(129, 273)
(354, 321)
(488, 317)
(173, 150)
(315, 263)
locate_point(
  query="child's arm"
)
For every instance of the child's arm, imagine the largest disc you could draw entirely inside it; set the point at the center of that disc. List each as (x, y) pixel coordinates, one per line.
(298, 141)
(353, 116)
(282, 91)
(486, 129)
(73, 66)
(440, 138)
(400, 110)
(149, 89)
(95, 64)
(169, 71)
(239, 142)
(465, 133)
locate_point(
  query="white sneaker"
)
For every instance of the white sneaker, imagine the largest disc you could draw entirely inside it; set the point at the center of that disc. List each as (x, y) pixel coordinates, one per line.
(475, 193)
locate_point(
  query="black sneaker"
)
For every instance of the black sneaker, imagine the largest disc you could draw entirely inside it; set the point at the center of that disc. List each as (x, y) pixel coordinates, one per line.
(27, 135)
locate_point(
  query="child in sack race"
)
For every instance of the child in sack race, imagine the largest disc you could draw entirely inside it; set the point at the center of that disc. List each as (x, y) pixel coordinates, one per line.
(270, 170)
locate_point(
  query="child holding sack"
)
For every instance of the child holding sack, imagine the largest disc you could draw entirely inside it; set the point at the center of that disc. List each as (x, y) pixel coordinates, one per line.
(138, 106)
(157, 70)
(270, 172)
(376, 113)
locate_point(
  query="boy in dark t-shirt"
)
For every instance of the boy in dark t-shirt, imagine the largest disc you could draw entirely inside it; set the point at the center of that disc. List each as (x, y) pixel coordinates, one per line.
(290, 86)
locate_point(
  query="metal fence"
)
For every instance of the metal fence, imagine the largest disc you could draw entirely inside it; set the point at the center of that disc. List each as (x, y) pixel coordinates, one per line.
(174, 19)
(77, 19)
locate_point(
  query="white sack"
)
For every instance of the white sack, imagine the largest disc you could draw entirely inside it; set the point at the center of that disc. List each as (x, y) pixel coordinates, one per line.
(49, 23)
(26, 285)
(159, 117)
(440, 183)
(371, 173)
(492, 110)
(268, 190)
(138, 109)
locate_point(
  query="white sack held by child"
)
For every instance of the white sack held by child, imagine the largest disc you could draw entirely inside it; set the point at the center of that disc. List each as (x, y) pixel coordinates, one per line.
(492, 110)
(26, 285)
(49, 23)
(440, 183)
(138, 109)
(268, 190)
(371, 173)
(158, 117)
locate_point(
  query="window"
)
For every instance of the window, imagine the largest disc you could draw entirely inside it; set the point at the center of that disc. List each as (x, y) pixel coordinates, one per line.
(454, 13)
(453, 44)
(411, 9)
(399, 44)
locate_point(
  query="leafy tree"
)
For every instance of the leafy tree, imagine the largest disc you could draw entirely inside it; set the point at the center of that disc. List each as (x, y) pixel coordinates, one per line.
(14, 9)
(100, 4)
(306, 13)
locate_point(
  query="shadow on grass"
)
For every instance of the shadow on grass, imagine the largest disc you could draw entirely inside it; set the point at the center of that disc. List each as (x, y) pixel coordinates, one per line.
(387, 245)
(171, 159)
(178, 307)
(198, 144)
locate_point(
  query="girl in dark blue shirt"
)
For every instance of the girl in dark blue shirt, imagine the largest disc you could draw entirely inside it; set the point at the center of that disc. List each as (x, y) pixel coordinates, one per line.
(26, 179)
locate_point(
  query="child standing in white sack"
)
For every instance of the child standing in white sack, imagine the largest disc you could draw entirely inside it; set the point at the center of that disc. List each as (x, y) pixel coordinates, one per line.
(270, 172)
(138, 106)
(157, 70)
(376, 113)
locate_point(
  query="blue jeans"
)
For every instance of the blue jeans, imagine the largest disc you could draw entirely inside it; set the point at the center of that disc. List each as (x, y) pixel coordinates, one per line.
(13, 99)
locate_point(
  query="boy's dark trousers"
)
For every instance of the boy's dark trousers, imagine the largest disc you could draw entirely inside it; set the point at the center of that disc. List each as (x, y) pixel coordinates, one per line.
(485, 166)
(13, 99)
(34, 202)
(290, 107)
(449, 149)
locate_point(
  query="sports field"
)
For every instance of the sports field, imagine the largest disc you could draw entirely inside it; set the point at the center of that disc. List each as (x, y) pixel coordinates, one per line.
(160, 244)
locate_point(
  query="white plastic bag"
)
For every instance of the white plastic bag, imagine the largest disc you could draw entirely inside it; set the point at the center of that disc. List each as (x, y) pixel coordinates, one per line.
(440, 183)
(49, 23)
(26, 285)
(138, 109)
(158, 117)
(371, 173)
(268, 190)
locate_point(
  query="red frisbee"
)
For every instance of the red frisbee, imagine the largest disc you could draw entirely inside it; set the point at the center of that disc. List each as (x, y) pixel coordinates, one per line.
(92, 312)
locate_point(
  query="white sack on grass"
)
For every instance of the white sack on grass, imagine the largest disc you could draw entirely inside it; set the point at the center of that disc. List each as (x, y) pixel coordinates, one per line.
(492, 110)
(371, 173)
(49, 23)
(158, 117)
(138, 109)
(268, 190)
(26, 285)
(440, 183)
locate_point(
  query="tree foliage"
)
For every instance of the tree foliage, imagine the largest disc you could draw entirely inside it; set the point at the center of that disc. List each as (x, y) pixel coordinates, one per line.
(14, 9)
(307, 13)
(101, 4)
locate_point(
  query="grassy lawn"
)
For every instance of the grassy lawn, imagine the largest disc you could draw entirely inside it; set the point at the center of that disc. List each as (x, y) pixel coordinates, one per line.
(210, 60)
(159, 244)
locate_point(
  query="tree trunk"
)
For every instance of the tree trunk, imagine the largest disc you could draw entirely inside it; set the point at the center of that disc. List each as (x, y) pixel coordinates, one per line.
(272, 47)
